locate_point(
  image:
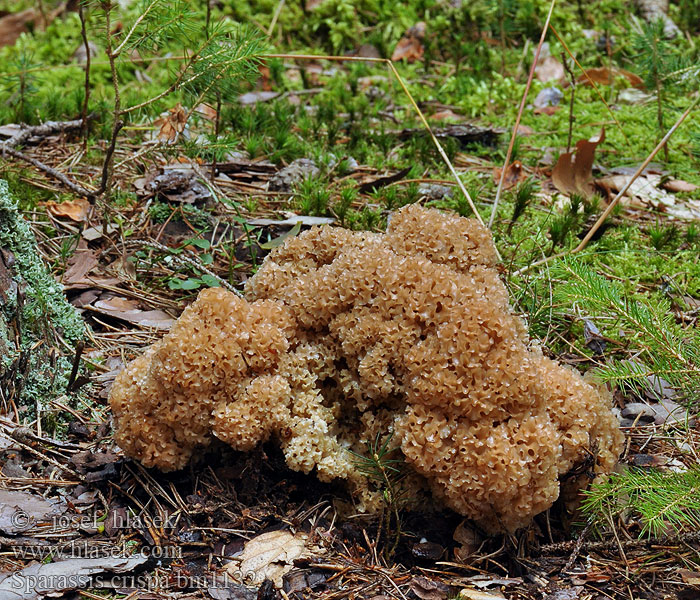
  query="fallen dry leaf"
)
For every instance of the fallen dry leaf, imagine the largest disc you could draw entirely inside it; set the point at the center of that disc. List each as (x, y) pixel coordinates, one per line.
(573, 173)
(79, 265)
(690, 577)
(128, 310)
(20, 511)
(77, 210)
(172, 124)
(606, 75)
(445, 115)
(467, 594)
(646, 192)
(269, 556)
(428, 589)
(514, 175)
(546, 110)
(410, 47)
(678, 185)
(208, 112)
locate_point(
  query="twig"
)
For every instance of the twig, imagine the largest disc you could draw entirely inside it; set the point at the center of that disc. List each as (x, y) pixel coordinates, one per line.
(566, 547)
(637, 173)
(577, 547)
(43, 130)
(520, 114)
(276, 16)
(80, 346)
(86, 45)
(567, 66)
(65, 180)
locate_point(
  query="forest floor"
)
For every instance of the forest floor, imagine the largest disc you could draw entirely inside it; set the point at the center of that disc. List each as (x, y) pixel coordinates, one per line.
(202, 192)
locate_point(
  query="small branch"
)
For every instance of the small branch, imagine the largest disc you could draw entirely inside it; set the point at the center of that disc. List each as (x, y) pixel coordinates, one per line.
(86, 45)
(64, 179)
(117, 51)
(44, 130)
(107, 164)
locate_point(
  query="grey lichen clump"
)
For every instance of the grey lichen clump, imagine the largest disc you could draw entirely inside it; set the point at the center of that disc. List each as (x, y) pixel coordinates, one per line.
(45, 315)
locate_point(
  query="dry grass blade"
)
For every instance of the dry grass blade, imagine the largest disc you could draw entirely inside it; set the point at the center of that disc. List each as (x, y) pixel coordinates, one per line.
(520, 114)
(588, 77)
(637, 173)
(405, 90)
(620, 194)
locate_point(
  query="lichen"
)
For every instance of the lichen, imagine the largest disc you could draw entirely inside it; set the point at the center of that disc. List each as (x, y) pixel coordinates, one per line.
(44, 316)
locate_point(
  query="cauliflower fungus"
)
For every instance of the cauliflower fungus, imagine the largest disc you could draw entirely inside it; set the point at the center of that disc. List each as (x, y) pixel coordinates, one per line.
(346, 335)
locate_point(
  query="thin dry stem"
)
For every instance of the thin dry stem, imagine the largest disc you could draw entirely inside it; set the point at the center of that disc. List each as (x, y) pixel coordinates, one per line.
(588, 77)
(418, 111)
(520, 114)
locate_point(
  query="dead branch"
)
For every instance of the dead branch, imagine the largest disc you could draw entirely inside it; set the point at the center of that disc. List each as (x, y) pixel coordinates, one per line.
(8, 147)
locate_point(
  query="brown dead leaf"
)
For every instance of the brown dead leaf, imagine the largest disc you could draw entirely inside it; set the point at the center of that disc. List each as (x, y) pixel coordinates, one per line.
(265, 77)
(77, 210)
(79, 265)
(77, 275)
(690, 577)
(270, 556)
(20, 511)
(514, 174)
(207, 111)
(546, 110)
(678, 185)
(128, 310)
(648, 191)
(605, 76)
(445, 115)
(410, 47)
(428, 589)
(573, 173)
(15, 24)
(172, 124)
(549, 69)
(469, 594)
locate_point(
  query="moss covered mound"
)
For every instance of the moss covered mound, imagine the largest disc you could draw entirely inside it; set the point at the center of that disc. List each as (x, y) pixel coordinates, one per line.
(36, 321)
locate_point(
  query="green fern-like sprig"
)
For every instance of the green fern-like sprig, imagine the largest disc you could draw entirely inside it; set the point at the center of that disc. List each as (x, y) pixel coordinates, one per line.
(665, 502)
(388, 474)
(665, 349)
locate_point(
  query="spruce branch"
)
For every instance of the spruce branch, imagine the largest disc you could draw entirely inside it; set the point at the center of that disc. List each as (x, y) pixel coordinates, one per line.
(667, 350)
(662, 500)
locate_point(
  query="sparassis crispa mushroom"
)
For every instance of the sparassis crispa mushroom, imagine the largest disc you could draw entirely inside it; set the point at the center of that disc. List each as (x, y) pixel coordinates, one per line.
(344, 336)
